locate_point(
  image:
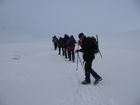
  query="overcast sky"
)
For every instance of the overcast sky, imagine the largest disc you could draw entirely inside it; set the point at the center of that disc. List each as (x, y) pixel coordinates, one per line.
(69, 16)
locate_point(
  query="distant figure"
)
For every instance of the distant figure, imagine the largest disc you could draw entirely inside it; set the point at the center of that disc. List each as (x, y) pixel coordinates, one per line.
(88, 48)
(71, 47)
(65, 39)
(55, 42)
(61, 46)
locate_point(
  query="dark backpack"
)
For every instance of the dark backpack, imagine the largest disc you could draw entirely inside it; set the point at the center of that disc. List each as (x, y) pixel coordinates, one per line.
(95, 41)
(92, 44)
(71, 42)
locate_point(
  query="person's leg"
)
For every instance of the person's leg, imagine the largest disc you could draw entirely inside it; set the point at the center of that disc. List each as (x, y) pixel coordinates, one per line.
(87, 71)
(59, 50)
(63, 51)
(94, 74)
(73, 55)
(69, 54)
(88, 67)
(55, 46)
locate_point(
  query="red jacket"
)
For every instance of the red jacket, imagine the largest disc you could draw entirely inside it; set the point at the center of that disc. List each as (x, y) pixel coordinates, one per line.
(70, 47)
(80, 42)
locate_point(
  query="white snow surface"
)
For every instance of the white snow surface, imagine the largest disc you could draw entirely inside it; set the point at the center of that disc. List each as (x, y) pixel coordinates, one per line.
(33, 73)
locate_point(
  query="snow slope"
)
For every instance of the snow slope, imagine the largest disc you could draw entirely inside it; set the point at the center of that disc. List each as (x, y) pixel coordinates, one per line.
(33, 73)
(121, 65)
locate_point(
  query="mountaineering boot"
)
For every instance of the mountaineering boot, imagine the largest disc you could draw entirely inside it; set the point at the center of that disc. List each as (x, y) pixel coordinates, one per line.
(97, 80)
(85, 82)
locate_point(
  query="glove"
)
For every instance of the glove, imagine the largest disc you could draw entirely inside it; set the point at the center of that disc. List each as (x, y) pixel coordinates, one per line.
(77, 51)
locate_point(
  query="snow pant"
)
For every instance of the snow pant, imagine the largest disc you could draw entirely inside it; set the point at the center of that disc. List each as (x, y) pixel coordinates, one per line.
(55, 46)
(89, 70)
(61, 49)
(65, 52)
(71, 55)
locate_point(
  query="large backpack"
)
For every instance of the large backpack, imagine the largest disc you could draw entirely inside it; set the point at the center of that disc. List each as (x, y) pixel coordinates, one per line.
(92, 45)
(71, 42)
(96, 46)
(96, 43)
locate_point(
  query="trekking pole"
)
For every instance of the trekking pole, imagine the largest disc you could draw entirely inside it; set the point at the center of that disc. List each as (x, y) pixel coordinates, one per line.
(78, 57)
(100, 54)
(77, 63)
(80, 61)
(98, 46)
